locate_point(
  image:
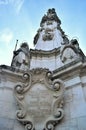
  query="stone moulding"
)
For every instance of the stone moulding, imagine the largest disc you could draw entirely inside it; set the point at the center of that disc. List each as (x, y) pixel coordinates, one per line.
(40, 100)
(40, 53)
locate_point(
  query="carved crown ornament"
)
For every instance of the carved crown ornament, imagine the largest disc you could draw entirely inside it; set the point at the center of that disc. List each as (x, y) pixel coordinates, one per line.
(40, 100)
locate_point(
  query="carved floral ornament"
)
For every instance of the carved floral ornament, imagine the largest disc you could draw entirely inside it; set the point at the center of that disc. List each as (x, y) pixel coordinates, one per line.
(40, 100)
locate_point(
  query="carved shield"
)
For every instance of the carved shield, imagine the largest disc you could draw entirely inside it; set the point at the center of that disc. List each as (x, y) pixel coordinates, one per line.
(40, 100)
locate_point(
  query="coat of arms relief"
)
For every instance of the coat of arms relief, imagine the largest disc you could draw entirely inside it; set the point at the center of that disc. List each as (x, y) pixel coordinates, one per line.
(40, 100)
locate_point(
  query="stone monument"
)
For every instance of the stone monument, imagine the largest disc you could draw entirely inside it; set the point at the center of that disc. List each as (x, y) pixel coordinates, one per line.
(45, 88)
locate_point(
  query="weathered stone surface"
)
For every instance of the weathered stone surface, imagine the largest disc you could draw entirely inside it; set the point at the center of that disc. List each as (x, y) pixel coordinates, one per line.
(18, 126)
(82, 123)
(40, 100)
(6, 124)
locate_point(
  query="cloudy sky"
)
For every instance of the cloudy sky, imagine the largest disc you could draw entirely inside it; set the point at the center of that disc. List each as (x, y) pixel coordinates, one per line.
(20, 19)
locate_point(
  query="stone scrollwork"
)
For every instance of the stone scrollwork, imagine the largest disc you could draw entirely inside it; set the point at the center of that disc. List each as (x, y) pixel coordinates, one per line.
(39, 97)
(57, 105)
(19, 91)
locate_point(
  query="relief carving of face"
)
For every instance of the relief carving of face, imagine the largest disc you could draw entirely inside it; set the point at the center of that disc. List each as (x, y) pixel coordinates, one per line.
(48, 32)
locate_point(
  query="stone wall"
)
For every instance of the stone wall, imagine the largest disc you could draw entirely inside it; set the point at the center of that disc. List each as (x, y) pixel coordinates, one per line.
(74, 98)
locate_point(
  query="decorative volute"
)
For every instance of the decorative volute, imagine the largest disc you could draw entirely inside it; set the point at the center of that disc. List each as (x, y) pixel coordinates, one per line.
(50, 35)
(40, 100)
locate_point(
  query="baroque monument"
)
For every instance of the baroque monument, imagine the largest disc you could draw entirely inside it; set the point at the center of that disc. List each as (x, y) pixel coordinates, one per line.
(45, 88)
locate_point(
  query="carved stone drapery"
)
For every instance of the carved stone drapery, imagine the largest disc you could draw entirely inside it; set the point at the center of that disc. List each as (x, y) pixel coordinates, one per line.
(40, 100)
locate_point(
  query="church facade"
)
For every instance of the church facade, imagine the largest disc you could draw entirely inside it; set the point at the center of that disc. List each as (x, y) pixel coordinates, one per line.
(45, 88)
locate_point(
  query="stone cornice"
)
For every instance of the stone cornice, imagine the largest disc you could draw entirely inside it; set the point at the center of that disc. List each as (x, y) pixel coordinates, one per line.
(66, 71)
(71, 69)
(83, 70)
(43, 53)
(9, 73)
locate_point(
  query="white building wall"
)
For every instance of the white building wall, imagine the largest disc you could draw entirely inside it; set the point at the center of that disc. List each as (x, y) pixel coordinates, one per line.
(52, 63)
(74, 105)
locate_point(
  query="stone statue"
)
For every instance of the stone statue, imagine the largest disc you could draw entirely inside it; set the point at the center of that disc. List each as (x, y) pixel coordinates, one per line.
(21, 58)
(75, 44)
(51, 16)
(70, 51)
(50, 35)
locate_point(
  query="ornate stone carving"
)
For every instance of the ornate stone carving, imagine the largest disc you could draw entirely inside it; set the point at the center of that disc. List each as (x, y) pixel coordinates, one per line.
(48, 37)
(51, 16)
(70, 51)
(37, 36)
(40, 100)
(21, 58)
(49, 21)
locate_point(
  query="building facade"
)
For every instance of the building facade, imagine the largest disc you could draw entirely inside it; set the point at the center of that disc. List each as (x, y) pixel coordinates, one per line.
(45, 88)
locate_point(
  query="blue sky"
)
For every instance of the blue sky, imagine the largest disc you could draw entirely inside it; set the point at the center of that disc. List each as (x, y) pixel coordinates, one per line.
(20, 19)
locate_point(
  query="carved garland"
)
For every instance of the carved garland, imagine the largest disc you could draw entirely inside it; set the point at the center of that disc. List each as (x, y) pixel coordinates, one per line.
(43, 76)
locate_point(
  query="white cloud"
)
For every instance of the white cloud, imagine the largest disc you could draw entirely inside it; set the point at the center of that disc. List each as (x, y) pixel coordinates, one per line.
(17, 4)
(6, 36)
